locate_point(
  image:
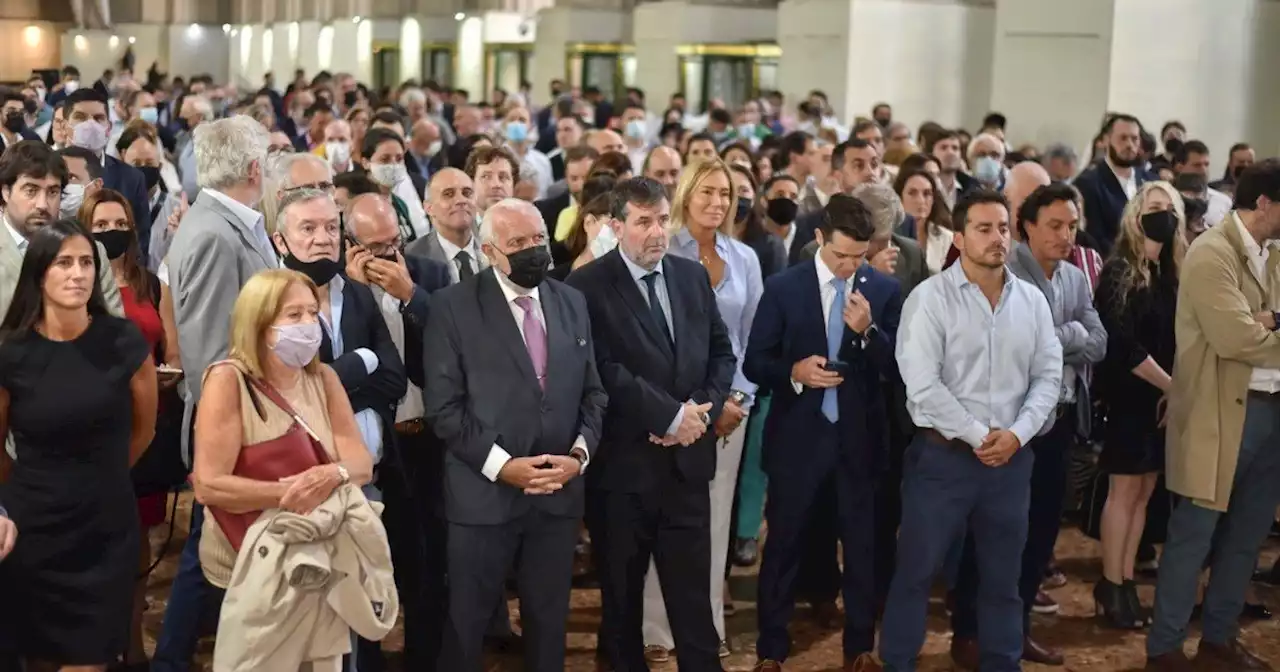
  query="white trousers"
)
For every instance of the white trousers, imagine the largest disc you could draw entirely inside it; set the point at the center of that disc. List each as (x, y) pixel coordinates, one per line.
(657, 629)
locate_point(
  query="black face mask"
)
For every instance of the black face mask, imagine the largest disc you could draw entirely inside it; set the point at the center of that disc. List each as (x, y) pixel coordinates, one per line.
(151, 174)
(349, 98)
(321, 271)
(13, 122)
(744, 209)
(116, 242)
(782, 210)
(1159, 226)
(529, 266)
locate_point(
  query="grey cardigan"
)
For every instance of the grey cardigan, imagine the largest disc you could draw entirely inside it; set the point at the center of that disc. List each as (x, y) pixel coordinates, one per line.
(1079, 329)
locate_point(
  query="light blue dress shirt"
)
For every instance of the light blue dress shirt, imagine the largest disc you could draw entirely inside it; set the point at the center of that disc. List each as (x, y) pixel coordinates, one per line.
(664, 299)
(968, 368)
(367, 421)
(187, 166)
(737, 295)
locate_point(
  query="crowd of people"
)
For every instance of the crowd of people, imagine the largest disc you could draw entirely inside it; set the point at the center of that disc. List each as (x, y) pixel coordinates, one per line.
(470, 347)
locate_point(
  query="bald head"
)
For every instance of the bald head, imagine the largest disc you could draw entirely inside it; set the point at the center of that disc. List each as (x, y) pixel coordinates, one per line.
(663, 165)
(422, 135)
(605, 140)
(371, 220)
(1024, 178)
(452, 205)
(337, 131)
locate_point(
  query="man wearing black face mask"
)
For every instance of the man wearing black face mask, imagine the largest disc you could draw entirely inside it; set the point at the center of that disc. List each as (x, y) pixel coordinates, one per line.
(13, 123)
(513, 392)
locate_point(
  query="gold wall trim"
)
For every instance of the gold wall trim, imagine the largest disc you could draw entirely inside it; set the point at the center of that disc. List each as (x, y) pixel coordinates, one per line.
(730, 50)
(385, 45)
(598, 48)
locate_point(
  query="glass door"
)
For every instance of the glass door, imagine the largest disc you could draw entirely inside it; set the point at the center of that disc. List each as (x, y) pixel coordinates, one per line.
(386, 67)
(437, 65)
(506, 66)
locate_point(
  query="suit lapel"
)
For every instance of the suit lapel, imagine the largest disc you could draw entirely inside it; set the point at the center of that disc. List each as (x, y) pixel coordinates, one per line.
(559, 340)
(350, 321)
(627, 288)
(248, 237)
(498, 318)
(811, 298)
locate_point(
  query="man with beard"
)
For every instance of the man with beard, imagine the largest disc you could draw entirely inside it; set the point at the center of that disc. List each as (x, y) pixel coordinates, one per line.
(953, 180)
(1107, 185)
(966, 466)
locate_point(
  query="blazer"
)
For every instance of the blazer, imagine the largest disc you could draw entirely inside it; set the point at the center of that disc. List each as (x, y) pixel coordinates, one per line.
(429, 276)
(911, 270)
(363, 327)
(482, 392)
(788, 328)
(805, 225)
(1219, 344)
(129, 181)
(648, 380)
(429, 247)
(11, 266)
(1104, 201)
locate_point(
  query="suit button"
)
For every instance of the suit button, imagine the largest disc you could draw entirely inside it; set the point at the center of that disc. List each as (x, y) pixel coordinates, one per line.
(546, 408)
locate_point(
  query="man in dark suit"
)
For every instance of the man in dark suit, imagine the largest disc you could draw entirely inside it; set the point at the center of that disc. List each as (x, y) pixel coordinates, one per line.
(853, 162)
(667, 363)
(86, 112)
(1107, 185)
(513, 392)
(577, 163)
(411, 478)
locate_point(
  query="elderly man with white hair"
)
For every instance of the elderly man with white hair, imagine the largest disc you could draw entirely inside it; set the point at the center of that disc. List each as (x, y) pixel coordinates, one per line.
(513, 392)
(287, 173)
(222, 242)
(196, 110)
(986, 160)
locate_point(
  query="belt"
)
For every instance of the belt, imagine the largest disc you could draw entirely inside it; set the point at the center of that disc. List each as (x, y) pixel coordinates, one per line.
(411, 427)
(937, 437)
(1265, 396)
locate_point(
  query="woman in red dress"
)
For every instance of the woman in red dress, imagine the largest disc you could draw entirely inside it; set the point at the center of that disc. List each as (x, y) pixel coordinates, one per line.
(108, 215)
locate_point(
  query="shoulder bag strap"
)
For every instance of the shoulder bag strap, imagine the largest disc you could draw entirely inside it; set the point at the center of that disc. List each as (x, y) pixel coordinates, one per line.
(276, 398)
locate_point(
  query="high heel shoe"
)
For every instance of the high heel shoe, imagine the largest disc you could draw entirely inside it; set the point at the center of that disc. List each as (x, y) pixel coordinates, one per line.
(1113, 607)
(1142, 614)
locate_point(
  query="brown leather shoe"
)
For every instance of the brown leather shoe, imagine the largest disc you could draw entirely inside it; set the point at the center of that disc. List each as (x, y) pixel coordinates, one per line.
(863, 663)
(826, 614)
(965, 653)
(1230, 656)
(1174, 661)
(767, 665)
(1034, 652)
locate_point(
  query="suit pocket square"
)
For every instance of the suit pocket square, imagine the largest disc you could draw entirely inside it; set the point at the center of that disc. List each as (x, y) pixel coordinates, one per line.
(582, 342)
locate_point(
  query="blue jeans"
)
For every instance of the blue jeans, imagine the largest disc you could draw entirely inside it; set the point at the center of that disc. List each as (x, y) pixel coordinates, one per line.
(180, 631)
(1244, 526)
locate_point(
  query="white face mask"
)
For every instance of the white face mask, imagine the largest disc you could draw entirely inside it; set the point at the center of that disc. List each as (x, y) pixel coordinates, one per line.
(434, 148)
(388, 174)
(338, 153)
(604, 242)
(89, 135)
(71, 86)
(72, 199)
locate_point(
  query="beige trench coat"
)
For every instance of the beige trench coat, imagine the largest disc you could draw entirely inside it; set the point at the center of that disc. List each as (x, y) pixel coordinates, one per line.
(1219, 344)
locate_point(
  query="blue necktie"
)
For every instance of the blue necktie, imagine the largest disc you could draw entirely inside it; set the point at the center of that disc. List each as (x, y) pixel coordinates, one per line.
(835, 332)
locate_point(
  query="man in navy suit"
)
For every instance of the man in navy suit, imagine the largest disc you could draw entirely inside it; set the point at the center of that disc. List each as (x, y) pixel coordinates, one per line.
(1107, 185)
(822, 342)
(86, 112)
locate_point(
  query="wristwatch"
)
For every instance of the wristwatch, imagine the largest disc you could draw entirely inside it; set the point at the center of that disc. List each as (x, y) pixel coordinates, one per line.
(738, 397)
(343, 474)
(579, 455)
(705, 418)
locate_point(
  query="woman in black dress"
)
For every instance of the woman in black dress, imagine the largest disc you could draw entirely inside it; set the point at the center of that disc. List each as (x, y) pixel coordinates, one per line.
(1136, 299)
(78, 391)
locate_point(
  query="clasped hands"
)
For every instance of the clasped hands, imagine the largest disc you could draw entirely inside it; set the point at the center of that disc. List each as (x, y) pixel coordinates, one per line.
(997, 448)
(539, 474)
(691, 427)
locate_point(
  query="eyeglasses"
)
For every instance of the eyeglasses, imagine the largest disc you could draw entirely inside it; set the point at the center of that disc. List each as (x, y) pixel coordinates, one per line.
(386, 250)
(326, 187)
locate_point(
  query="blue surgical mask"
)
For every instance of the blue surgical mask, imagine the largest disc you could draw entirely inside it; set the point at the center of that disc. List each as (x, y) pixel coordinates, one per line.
(517, 131)
(149, 115)
(636, 129)
(987, 170)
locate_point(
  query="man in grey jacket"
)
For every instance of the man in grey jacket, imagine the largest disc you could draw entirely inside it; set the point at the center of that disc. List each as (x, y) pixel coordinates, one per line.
(1047, 222)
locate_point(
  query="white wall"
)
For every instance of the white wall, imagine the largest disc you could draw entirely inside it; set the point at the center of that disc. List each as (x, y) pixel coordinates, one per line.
(308, 51)
(469, 61)
(561, 26)
(94, 52)
(814, 36)
(410, 49)
(659, 27)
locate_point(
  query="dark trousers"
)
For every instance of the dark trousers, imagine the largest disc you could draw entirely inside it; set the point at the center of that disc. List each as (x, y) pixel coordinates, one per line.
(889, 510)
(188, 596)
(671, 525)
(1044, 520)
(480, 557)
(819, 577)
(792, 501)
(944, 489)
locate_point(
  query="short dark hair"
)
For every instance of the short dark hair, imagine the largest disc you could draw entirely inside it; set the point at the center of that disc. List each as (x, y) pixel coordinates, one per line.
(9, 95)
(846, 215)
(1191, 182)
(935, 138)
(1260, 179)
(356, 183)
(960, 213)
(1184, 152)
(1172, 124)
(864, 125)
(598, 184)
(30, 158)
(994, 120)
(721, 116)
(641, 191)
(778, 177)
(580, 153)
(376, 136)
(1040, 199)
(1117, 118)
(613, 162)
(792, 143)
(837, 154)
(70, 71)
(483, 156)
(316, 108)
(91, 161)
(86, 95)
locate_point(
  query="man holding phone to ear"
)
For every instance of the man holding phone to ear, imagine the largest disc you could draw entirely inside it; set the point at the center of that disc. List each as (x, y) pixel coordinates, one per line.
(822, 342)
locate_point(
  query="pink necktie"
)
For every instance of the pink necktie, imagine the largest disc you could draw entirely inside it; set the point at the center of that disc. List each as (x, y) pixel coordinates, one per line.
(535, 340)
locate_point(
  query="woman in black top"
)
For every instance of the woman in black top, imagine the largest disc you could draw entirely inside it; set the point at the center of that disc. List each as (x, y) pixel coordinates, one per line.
(78, 392)
(1136, 299)
(748, 226)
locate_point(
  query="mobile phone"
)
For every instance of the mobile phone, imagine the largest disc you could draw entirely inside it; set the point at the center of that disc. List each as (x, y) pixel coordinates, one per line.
(836, 366)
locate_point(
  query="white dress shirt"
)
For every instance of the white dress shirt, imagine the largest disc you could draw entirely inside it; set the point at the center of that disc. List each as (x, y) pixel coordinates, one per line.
(1219, 206)
(411, 406)
(1261, 380)
(367, 420)
(451, 254)
(1129, 184)
(498, 457)
(826, 294)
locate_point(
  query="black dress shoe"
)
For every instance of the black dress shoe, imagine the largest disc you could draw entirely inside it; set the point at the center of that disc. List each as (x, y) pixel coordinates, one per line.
(1253, 612)
(745, 552)
(1034, 652)
(509, 645)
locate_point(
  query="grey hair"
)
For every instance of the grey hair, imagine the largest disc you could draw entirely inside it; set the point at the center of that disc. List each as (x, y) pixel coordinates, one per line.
(980, 138)
(412, 95)
(296, 197)
(883, 204)
(226, 148)
(203, 106)
(512, 206)
(1060, 150)
(281, 167)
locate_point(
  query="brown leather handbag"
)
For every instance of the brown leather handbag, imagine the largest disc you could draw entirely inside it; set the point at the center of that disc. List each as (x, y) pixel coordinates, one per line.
(289, 454)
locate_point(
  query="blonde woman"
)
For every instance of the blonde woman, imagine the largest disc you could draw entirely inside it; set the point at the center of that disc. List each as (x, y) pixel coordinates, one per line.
(702, 218)
(1136, 299)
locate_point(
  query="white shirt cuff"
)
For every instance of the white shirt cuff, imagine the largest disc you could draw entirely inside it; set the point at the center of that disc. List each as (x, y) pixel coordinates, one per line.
(493, 464)
(582, 443)
(370, 360)
(975, 434)
(675, 424)
(796, 386)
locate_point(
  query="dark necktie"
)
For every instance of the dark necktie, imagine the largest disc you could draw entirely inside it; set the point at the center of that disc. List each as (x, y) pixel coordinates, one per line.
(463, 260)
(655, 307)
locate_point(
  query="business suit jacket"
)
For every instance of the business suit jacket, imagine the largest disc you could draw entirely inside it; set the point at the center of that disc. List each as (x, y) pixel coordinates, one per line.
(805, 225)
(1104, 201)
(363, 327)
(11, 266)
(647, 382)
(129, 181)
(482, 391)
(429, 276)
(788, 328)
(429, 247)
(911, 269)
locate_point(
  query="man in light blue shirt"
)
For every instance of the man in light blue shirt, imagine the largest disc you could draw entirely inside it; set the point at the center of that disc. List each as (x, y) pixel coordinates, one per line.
(983, 370)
